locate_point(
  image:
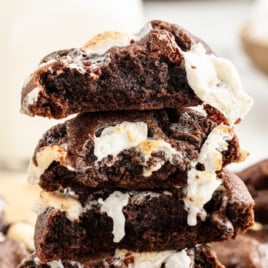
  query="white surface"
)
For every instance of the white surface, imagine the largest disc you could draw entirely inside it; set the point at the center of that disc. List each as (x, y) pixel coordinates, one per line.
(219, 24)
(259, 21)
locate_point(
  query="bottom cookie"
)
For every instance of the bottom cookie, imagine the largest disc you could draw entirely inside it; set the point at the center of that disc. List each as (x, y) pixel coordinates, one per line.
(199, 257)
(137, 221)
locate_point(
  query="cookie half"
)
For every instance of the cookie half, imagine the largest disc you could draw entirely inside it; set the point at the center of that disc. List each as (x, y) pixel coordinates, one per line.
(164, 66)
(138, 221)
(199, 256)
(138, 150)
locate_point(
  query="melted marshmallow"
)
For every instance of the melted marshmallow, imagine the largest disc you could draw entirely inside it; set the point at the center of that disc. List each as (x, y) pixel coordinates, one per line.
(171, 259)
(115, 139)
(56, 264)
(150, 146)
(102, 42)
(127, 135)
(32, 96)
(201, 184)
(139, 197)
(113, 206)
(70, 205)
(44, 158)
(216, 82)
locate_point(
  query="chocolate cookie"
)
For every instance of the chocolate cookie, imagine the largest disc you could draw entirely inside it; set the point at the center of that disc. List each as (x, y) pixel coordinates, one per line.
(134, 150)
(161, 67)
(138, 221)
(200, 256)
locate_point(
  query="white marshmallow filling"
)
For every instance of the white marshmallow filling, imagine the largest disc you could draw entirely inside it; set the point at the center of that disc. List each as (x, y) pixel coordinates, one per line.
(44, 158)
(201, 184)
(112, 141)
(216, 82)
(134, 135)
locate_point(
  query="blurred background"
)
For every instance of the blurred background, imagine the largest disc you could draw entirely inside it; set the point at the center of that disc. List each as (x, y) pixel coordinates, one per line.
(29, 29)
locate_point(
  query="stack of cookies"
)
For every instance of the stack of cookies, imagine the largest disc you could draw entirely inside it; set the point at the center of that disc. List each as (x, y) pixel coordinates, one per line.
(137, 178)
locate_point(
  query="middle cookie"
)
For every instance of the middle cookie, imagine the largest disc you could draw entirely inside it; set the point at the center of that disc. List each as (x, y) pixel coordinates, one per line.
(134, 150)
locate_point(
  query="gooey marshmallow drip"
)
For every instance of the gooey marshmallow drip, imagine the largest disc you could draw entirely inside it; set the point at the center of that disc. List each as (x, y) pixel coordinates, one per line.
(113, 206)
(216, 82)
(201, 184)
(127, 135)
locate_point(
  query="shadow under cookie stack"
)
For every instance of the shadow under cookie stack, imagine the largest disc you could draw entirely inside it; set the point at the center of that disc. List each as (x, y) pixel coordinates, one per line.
(137, 179)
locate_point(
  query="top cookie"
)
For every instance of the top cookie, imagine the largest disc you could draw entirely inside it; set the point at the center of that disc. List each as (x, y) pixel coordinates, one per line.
(164, 66)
